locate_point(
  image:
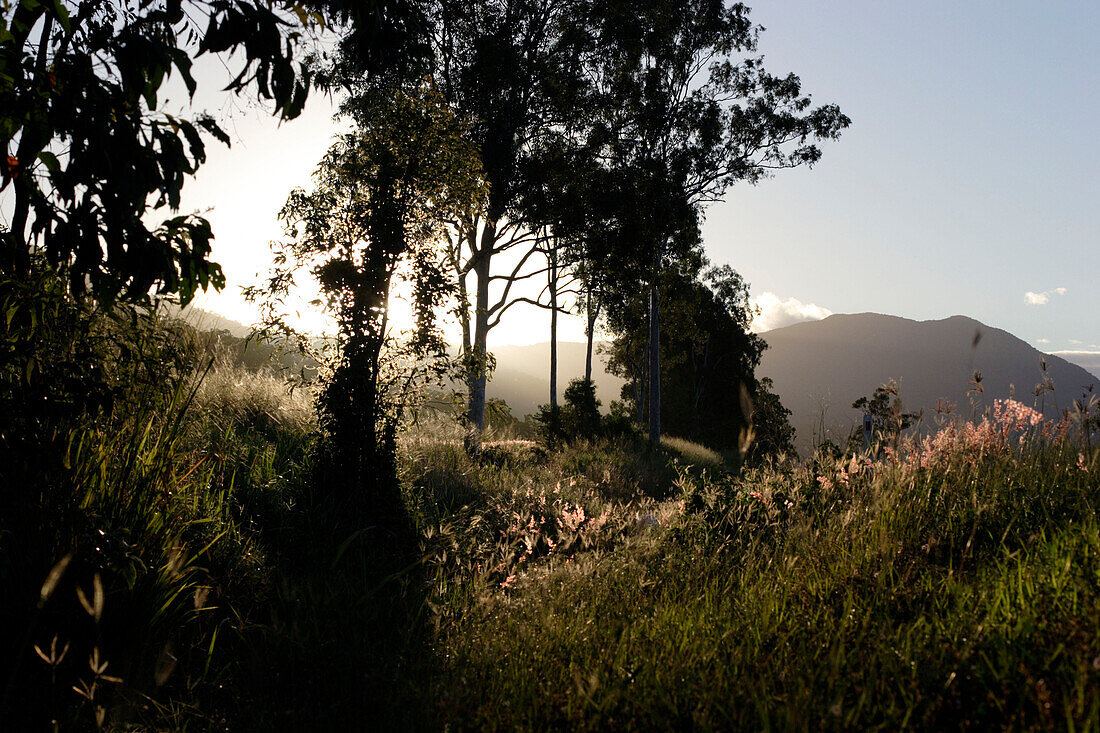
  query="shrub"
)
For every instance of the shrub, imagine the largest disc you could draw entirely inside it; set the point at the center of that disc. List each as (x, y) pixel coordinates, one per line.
(577, 419)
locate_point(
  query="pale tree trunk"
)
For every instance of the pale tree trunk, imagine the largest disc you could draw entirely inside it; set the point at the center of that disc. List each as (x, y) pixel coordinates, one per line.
(654, 368)
(478, 358)
(552, 278)
(464, 317)
(485, 238)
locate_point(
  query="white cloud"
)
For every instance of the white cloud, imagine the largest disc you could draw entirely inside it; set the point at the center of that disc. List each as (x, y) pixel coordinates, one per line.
(775, 313)
(1042, 298)
(1042, 341)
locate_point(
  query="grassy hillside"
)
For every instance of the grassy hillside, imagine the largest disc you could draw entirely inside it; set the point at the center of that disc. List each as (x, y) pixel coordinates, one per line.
(950, 583)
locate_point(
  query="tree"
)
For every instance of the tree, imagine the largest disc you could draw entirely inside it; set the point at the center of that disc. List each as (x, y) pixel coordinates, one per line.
(383, 193)
(707, 357)
(773, 434)
(888, 416)
(511, 69)
(89, 156)
(682, 121)
(82, 188)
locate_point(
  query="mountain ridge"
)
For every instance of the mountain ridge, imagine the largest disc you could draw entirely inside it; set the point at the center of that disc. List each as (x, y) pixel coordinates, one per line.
(820, 367)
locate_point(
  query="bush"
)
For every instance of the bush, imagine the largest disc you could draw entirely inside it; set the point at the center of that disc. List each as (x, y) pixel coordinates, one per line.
(577, 419)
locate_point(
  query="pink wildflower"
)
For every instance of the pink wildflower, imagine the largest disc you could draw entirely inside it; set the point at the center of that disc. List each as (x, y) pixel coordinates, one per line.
(598, 523)
(854, 466)
(573, 518)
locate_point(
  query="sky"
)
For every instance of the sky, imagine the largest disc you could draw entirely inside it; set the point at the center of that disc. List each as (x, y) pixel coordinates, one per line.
(966, 183)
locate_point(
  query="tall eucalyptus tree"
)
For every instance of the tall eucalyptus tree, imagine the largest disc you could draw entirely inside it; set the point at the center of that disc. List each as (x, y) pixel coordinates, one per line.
(689, 110)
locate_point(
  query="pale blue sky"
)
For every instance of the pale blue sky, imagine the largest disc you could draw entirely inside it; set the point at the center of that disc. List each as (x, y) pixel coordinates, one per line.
(967, 178)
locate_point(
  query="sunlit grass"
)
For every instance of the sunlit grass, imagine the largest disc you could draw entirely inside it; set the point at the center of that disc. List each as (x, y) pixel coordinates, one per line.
(856, 595)
(952, 583)
(693, 453)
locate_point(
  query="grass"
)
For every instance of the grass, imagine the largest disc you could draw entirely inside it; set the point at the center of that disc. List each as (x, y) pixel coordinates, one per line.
(966, 597)
(952, 584)
(136, 543)
(694, 453)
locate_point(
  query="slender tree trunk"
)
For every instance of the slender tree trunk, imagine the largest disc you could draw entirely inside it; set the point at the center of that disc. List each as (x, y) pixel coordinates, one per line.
(700, 374)
(593, 313)
(464, 317)
(654, 369)
(552, 276)
(479, 356)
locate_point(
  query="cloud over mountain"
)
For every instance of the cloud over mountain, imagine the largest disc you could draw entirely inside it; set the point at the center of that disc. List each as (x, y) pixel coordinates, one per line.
(776, 313)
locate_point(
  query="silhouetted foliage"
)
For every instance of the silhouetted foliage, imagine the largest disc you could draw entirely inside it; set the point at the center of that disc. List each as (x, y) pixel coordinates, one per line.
(577, 418)
(773, 434)
(582, 409)
(682, 109)
(707, 353)
(383, 193)
(888, 416)
(90, 155)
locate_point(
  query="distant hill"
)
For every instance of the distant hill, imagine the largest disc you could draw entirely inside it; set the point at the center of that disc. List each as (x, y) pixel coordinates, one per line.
(204, 320)
(821, 367)
(1089, 360)
(522, 376)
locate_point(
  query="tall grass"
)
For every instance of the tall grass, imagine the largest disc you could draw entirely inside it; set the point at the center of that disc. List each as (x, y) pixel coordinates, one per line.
(170, 565)
(129, 546)
(848, 594)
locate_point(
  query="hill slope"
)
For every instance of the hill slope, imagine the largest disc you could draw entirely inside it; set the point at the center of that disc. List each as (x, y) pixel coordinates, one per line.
(823, 366)
(522, 375)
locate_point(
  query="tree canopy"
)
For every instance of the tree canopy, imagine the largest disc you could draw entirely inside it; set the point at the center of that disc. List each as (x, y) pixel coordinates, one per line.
(89, 154)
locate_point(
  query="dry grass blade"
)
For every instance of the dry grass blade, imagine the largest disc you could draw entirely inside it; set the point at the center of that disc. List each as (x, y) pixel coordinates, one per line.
(98, 597)
(53, 579)
(88, 607)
